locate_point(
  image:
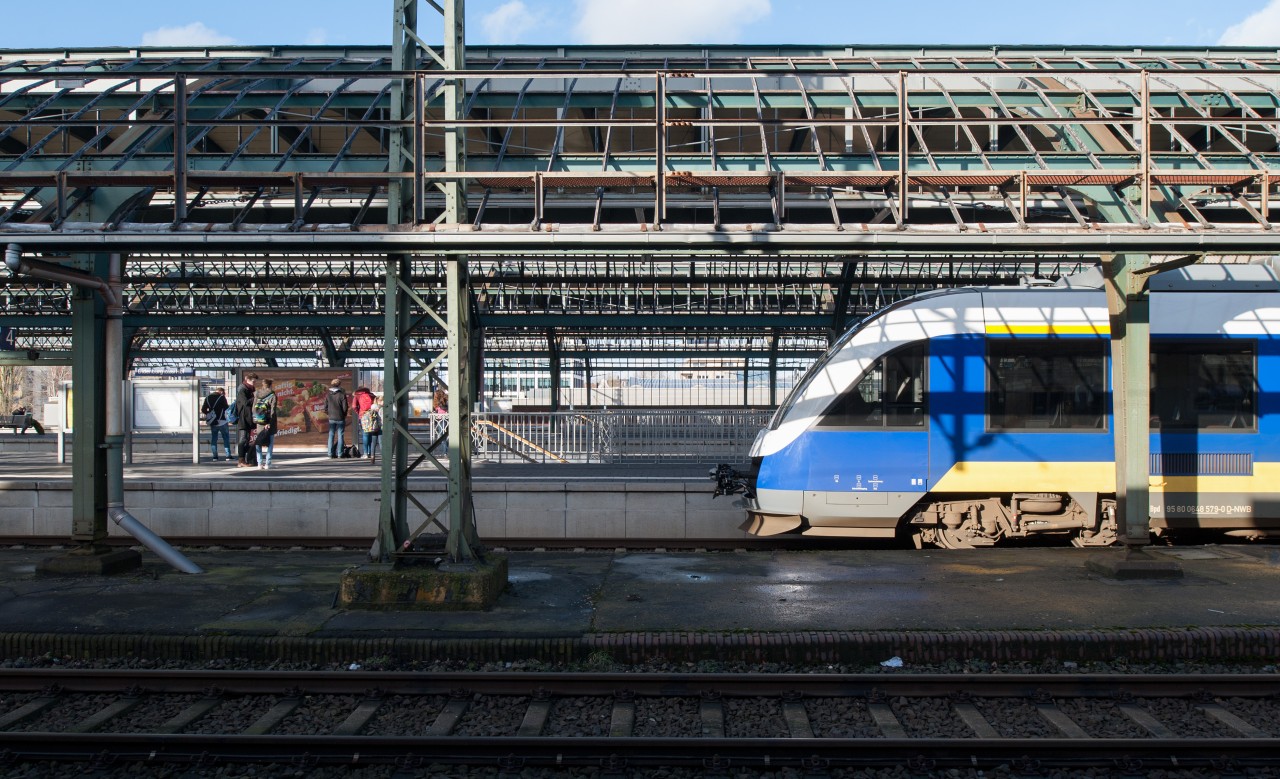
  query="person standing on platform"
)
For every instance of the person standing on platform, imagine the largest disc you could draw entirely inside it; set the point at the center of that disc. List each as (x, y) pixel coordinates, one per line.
(371, 426)
(265, 419)
(361, 402)
(440, 425)
(244, 420)
(215, 409)
(335, 408)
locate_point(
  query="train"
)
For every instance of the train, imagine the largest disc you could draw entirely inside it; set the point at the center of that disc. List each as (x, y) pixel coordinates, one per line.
(973, 416)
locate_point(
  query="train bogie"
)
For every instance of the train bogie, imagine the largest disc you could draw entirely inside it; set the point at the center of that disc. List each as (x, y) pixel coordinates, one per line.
(969, 417)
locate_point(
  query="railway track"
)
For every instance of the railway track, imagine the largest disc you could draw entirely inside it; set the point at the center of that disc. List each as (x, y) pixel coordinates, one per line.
(630, 722)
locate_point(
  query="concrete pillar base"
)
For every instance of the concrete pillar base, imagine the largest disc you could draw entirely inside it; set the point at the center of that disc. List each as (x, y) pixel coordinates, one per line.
(396, 587)
(1132, 564)
(91, 560)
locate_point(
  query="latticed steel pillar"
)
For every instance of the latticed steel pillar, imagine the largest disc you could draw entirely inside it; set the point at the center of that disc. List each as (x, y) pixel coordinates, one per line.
(1129, 307)
(89, 477)
(405, 205)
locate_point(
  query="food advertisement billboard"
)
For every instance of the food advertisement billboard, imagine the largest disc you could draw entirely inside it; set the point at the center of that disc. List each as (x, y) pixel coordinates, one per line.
(301, 395)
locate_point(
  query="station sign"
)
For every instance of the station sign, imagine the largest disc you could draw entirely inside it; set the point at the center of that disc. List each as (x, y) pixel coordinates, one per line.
(8, 339)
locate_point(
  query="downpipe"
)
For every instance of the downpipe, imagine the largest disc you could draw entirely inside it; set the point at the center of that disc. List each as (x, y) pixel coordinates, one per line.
(112, 293)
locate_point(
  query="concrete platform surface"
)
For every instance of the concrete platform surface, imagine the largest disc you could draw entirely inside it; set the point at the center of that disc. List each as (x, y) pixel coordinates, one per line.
(576, 594)
(19, 467)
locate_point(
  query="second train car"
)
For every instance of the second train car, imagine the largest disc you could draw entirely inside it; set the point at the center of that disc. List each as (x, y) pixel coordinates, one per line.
(969, 416)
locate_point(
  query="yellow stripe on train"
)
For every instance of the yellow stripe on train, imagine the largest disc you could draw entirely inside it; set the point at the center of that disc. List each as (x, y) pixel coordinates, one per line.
(999, 477)
(1061, 329)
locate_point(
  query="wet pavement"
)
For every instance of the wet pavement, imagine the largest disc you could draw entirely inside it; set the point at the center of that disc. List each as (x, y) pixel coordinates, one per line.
(573, 594)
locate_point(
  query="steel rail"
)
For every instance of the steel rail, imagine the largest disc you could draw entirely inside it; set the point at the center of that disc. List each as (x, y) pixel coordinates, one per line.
(1034, 686)
(1129, 754)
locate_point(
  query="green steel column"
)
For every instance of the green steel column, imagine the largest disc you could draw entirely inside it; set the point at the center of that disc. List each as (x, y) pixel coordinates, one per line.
(88, 410)
(462, 544)
(1129, 308)
(553, 350)
(393, 508)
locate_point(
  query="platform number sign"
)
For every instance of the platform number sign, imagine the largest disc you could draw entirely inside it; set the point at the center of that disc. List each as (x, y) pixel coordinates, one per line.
(8, 339)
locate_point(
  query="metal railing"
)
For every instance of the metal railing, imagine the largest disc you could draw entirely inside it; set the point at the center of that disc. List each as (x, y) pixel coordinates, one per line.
(605, 437)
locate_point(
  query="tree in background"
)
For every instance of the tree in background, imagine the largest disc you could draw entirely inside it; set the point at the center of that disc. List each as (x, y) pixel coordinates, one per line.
(15, 390)
(30, 387)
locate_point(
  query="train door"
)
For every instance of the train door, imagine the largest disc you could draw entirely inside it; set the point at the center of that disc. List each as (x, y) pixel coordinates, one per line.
(957, 387)
(1205, 433)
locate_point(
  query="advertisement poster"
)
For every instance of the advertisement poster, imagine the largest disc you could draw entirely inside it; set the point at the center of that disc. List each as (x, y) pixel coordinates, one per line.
(301, 394)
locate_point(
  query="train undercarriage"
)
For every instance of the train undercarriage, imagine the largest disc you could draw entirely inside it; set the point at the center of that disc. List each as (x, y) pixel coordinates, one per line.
(968, 522)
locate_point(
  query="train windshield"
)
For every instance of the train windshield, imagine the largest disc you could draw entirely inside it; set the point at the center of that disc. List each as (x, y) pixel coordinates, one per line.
(890, 393)
(816, 368)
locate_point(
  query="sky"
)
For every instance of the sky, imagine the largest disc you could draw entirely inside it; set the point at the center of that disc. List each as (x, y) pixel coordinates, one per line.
(93, 23)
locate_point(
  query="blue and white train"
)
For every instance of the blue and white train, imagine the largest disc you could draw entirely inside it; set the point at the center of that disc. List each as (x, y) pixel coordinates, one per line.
(965, 417)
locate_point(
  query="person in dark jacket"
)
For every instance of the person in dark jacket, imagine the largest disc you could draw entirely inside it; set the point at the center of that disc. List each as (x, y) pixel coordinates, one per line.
(244, 419)
(215, 408)
(335, 408)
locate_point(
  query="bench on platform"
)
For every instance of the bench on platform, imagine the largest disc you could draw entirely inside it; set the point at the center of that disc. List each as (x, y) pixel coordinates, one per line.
(19, 422)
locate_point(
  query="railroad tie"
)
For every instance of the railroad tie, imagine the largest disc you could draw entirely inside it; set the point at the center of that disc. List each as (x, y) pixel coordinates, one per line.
(97, 720)
(31, 709)
(274, 716)
(356, 720)
(535, 717)
(885, 719)
(448, 717)
(1146, 721)
(1060, 720)
(976, 722)
(190, 714)
(1232, 721)
(622, 721)
(711, 710)
(797, 719)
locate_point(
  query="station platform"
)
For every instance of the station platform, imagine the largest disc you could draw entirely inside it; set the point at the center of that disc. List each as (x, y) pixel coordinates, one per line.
(308, 495)
(829, 606)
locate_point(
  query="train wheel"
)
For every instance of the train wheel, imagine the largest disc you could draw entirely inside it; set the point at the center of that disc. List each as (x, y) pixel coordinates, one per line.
(955, 539)
(1105, 535)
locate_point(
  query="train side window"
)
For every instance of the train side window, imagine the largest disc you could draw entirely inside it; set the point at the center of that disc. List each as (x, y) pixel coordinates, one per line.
(891, 393)
(1046, 384)
(1203, 385)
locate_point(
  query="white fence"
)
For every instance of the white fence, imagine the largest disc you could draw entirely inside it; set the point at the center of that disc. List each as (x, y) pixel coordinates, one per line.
(612, 436)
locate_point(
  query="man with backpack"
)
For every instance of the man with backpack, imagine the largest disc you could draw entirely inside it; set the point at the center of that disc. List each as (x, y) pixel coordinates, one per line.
(215, 409)
(243, 412)
(335, 408)
(265, 420)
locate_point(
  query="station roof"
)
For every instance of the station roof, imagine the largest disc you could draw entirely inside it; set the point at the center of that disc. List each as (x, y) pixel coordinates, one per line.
(678, 199)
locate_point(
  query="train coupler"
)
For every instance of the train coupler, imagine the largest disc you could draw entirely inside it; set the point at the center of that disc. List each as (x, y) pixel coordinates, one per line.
(730, 481)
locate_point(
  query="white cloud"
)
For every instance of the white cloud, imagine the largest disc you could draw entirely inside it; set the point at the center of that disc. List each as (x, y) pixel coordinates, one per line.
(508, 22)
(1259, 29)
(317, 36)
(194, 34)
(666, 21)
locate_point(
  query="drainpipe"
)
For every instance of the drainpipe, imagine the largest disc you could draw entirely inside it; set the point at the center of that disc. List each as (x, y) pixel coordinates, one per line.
(112, 293)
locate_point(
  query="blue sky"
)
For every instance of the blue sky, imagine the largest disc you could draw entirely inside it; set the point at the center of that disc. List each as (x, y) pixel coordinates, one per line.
(81, 23)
